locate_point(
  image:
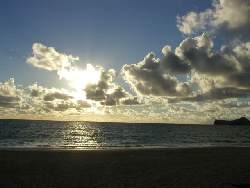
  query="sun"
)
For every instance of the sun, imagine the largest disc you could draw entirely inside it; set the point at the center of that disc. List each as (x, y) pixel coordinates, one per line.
(78, 79)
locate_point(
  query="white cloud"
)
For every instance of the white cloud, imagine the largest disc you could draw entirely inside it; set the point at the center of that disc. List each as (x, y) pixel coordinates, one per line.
(226, 16)
(232, 15)
(48, 58)
(194, 22)
(10, 96)
(53, 99)
(94, 83)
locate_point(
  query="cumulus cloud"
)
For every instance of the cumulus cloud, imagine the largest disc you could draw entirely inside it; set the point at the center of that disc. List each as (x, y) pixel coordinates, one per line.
(48, 58)
(10, 96)
(199, 54)
(131, 101)
(231, 17)
(193, 72)
(217, 75)
(149, 77)
(94, 83)
(83, 104)
(194, 22)
(57, 95)
(59, 106)
(173, 63)
(53, 99)
(209, 74)
(106, 91)
(9, 101)
(65, 106)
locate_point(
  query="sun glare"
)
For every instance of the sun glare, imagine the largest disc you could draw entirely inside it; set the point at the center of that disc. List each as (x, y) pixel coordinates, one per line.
(78, 79)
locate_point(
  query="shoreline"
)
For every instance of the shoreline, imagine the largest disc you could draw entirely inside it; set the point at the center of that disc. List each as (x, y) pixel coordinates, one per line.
(155, 167)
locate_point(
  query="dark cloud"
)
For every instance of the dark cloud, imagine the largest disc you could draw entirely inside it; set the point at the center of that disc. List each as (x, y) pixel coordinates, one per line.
(227, 92)
(98, 92)
(109, 102)
(35, 93)
(118, 93)
(83, 104)
(214, 94)
(64, 105)
(199, 54)
(106, 91)
(60, 106)
(217, 75)
(173, 63)
(129, 101)
(9, 101)
(94, 93)
(56, 95)
(149, 77)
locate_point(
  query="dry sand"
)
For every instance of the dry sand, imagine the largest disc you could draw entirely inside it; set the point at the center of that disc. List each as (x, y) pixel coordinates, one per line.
(190, 167)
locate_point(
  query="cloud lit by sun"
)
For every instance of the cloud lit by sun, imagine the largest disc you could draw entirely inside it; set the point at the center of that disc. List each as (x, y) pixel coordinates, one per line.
(49, 59)
(78, 79)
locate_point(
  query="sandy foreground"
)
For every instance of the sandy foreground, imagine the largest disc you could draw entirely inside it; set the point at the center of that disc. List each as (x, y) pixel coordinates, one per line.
(187, 167)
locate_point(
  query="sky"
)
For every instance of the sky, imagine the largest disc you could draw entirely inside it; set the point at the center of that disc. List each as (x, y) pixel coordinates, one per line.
(125, 60)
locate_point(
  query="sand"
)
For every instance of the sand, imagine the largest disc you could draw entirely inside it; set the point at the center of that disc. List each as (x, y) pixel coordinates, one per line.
(186, 167)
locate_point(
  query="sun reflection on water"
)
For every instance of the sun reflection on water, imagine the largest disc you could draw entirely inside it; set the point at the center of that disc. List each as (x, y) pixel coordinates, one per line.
(81, 135)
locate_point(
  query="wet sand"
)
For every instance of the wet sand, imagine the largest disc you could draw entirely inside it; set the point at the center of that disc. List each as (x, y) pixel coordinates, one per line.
(186, 167)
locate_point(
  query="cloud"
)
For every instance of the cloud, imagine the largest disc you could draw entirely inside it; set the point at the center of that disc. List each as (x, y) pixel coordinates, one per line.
(132, 101)
(227, 70)
(224, 109)
(106, 91)
(173, 63)
(194, 22)
(59, 106)
(48, 58)
(225, 17)
(195, 59)
(10, 96)
(149, 77)
(109, 102)
(209, 74)
(232, 16)
(57, 95)
(83, 104)
(199, 54)
(9, 101)
(94, 83)
(65, 106)
(193, 72)
(53, 99)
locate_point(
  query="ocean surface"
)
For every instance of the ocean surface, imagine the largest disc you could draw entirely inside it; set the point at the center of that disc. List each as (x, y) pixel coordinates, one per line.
(90, 135)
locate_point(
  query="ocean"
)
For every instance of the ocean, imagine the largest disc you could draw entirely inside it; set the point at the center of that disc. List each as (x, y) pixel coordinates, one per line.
(93, 135)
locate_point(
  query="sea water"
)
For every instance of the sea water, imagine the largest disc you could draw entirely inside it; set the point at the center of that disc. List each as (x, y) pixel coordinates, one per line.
(90, 135)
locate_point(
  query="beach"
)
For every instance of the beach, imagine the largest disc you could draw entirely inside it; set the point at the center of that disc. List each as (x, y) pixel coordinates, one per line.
(170, 167)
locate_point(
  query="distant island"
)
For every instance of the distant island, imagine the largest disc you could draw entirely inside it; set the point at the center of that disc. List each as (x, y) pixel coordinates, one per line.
(240, 121)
